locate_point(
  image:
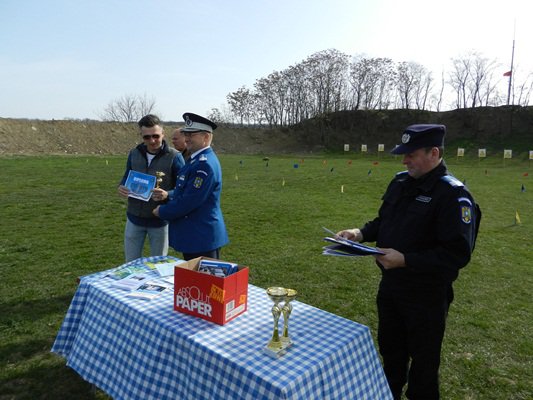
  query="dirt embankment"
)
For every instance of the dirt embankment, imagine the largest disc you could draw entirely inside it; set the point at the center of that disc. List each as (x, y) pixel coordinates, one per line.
(33, 137)
(487, 126)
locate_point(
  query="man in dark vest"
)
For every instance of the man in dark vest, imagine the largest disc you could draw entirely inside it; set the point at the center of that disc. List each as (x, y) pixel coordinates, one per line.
(151, 156)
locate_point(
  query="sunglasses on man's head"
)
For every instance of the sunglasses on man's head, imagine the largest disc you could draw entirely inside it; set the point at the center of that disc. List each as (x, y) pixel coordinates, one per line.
(148, 137)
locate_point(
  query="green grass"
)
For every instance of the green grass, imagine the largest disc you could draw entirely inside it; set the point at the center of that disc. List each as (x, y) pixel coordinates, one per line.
(61, 218)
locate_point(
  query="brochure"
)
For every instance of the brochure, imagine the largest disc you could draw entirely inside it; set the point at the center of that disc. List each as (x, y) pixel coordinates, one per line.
(131, 282)
(140, 185)
(345, 247)
(217, 268)
(167, 269)
(123, 272)
(149, 290)
(166, 260)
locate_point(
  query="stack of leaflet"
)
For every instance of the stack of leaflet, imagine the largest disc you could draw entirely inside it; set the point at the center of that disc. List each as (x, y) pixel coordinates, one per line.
(347, 248)
(217, 268)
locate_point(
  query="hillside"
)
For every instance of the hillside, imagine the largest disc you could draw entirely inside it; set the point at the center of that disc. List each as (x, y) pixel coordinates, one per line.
(490, 127)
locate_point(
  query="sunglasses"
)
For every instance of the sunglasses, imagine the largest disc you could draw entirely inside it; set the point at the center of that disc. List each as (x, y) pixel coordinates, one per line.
(148, 137)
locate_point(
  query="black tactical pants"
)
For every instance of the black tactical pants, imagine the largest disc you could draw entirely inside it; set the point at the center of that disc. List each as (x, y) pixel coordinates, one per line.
(410, 332)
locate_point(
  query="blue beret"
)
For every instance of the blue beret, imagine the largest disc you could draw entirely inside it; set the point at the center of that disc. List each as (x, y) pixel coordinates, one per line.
(197, 123)
(419, 136)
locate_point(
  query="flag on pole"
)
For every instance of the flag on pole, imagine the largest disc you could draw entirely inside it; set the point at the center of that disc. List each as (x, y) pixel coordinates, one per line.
(508, 73)
(342, 188)
(236, 177)
(283, 182)
(517, 218)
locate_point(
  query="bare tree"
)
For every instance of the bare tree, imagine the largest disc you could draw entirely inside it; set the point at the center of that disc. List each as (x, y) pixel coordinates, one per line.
(215, 115)
(522, 92)
(472, 81)
(241, 103)
(371, 80)
(328, 71)
(128, 108)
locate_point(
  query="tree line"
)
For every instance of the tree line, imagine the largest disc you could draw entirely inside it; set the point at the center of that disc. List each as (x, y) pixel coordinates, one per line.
(330, 81)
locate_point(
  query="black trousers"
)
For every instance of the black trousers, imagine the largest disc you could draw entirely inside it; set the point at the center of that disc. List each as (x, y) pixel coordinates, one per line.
(410, 332)
(211, 254)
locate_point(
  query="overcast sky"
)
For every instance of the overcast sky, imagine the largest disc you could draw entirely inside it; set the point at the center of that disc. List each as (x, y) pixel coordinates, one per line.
(69, 59)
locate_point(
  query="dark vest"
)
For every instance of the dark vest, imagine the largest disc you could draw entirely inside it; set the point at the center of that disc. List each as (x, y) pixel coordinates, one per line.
(161, 162)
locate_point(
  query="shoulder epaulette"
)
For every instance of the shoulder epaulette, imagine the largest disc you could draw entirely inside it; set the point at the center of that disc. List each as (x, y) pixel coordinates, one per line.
(453, 181)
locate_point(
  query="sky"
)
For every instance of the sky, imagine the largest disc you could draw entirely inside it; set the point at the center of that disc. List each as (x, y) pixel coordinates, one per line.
(64, 59)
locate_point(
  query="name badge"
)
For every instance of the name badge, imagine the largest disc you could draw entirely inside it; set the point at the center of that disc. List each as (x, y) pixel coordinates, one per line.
(423, 199)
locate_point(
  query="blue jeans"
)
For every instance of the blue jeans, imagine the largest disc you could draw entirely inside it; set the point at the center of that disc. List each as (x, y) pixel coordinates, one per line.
(134, 236)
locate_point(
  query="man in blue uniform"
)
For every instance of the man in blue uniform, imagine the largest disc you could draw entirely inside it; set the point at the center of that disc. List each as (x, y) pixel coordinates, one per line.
(426, 226)
(193, 209)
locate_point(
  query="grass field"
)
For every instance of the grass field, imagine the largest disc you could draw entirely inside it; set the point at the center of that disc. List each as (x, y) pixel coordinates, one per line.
(61, 218)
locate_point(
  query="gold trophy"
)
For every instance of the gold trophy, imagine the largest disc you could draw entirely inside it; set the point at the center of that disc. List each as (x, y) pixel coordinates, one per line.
(159, 179)
(286, 310)
(275, 347)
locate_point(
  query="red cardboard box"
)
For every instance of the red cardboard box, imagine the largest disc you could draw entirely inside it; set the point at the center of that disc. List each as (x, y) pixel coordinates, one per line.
(210, 297)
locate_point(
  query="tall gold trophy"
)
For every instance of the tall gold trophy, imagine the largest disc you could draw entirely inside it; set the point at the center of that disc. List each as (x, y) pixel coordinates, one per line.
(275, 347)
(286, 310)
(159, 179)
(278, 345)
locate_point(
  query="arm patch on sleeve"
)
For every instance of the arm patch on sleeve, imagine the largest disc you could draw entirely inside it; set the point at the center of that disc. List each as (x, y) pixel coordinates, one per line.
(198, 182)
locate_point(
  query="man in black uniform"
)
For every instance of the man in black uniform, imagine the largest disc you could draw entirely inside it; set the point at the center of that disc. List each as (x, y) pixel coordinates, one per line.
(426, 226)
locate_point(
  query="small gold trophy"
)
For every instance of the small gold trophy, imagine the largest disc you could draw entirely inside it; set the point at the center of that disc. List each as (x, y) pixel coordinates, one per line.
(286, 310)
(275, 347)
(159, 179)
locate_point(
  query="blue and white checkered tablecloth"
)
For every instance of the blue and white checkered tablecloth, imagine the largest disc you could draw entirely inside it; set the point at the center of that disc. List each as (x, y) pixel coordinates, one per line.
(137, 349)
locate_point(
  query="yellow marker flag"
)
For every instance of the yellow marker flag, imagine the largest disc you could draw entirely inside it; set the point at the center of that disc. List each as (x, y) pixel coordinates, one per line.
(236, 177)
(106, 162)
(517, 218)
(283, 182)
(342, 188)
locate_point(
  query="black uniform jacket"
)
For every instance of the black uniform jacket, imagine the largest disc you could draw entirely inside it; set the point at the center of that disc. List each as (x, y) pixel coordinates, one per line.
(432, 221)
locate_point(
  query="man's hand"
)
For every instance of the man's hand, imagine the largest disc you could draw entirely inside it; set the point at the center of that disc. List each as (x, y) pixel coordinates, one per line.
(354, 235)
(391, 259)
(123, 191)
(159, 194)
(155, 211)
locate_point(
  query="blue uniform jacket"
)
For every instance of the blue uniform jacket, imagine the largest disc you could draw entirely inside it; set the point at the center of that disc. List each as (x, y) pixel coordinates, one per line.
(195, 219)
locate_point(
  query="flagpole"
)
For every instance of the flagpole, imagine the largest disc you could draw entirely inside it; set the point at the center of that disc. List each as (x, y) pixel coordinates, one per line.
(512, 62)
